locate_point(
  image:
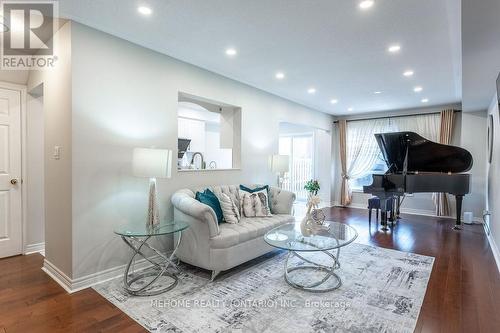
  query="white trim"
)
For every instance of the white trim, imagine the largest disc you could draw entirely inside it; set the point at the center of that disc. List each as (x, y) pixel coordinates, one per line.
(74, 285)
(35, 248)
(494, 249)
(57, 275)
(421, 212)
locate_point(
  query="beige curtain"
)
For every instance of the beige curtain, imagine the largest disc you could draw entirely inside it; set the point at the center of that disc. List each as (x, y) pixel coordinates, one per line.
(441, 199)
(345, 198)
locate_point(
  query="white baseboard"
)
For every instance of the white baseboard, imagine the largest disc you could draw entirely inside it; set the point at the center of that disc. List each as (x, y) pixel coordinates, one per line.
(35, 248)
(422, 212)
(57, 275)
(494, 249)
(74, 285)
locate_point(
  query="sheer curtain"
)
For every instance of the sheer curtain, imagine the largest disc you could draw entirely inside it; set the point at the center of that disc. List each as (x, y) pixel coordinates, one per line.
(360, 151)
(427, 125)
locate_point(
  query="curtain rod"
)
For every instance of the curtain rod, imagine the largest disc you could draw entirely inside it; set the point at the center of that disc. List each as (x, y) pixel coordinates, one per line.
(396, 116)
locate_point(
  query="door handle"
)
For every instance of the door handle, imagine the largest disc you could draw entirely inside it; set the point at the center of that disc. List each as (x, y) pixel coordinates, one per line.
(13, 181)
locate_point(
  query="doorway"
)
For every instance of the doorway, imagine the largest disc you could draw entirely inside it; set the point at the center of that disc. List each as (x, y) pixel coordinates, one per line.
(297, 142)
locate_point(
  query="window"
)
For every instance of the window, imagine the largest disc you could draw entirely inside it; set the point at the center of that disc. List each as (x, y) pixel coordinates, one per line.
(298, 143)
(364, 158)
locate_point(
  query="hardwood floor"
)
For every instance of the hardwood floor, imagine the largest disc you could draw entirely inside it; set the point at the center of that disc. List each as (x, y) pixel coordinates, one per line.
(463, 294)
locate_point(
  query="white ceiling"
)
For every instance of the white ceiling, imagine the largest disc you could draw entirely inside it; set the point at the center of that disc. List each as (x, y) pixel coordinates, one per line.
(481, 52)
(329, 44)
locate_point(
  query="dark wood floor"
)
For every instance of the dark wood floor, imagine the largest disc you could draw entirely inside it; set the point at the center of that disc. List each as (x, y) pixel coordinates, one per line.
(463, 294)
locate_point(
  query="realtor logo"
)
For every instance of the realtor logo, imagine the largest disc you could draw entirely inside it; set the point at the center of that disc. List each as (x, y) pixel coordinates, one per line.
(27, 37)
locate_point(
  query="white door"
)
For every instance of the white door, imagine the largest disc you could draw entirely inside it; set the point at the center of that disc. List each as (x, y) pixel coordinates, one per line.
(10, 173)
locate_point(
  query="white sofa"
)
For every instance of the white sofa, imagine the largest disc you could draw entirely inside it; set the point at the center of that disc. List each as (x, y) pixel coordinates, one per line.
(218, 247)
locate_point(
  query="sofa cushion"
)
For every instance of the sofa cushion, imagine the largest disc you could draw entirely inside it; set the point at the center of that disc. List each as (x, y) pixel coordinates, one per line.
(247, 229)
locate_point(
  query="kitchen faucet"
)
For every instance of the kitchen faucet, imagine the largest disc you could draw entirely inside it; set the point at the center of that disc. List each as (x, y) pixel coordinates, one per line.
(202, 166)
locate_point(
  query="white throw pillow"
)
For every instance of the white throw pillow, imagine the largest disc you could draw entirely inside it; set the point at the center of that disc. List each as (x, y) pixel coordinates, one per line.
(254, 204)
(229, 209)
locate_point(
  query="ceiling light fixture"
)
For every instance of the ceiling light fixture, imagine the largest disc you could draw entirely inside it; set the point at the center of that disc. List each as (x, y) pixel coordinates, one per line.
(334, 101)
(146, 11)
(365, 4)
(280, 75)
(408, 73)
(418, 89)
(350, 109)
(425, 100)
(231, 52)
(377, 92)
(311, 91)
(394, 48)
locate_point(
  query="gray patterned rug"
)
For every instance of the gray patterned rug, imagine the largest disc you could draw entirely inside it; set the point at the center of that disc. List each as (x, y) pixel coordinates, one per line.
(382, 291)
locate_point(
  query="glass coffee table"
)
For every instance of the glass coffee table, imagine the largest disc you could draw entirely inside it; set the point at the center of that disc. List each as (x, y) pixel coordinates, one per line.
(136, 236)
(326, 242)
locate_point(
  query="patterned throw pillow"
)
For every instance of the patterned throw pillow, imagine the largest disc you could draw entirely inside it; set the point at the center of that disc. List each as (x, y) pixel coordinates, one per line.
(229, 209)
(255, 204)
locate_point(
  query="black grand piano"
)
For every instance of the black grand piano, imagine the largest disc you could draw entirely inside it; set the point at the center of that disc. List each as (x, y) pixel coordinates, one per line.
(418, 165)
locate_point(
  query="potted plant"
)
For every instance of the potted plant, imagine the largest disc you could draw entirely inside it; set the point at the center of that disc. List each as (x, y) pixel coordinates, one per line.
(312, 186)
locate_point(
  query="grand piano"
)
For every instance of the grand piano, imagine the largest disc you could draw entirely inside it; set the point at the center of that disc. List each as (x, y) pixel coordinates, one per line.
(417, 165)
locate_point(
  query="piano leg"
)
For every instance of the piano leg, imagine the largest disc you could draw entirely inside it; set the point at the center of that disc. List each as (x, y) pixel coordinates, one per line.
(398, 205)
(383, 214)
(458, 223)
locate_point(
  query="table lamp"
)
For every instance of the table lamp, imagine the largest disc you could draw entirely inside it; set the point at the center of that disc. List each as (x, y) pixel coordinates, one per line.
(152, 163)
(279, 165)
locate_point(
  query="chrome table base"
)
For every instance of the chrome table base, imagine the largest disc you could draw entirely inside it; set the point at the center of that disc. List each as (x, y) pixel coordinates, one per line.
(159, 269)
(326, 270)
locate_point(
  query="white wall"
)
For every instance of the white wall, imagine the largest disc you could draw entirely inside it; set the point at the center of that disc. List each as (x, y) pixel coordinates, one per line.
(125, 96)
(474, 139)
(57, 173)
(35, 220)
(493, 171)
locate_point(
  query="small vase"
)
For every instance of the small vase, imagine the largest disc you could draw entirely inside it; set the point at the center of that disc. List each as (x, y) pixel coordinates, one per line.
(305, 226)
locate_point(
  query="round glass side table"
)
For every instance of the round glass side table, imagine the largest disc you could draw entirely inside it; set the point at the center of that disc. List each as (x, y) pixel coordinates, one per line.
(136, 236)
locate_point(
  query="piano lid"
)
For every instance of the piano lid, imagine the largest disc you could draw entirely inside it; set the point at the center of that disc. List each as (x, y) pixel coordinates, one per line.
(423, 155)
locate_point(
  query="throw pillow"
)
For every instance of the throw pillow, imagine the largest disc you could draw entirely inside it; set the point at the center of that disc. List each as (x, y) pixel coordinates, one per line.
(254, 204)
(257, 189)
(229, 209)
(208, 198)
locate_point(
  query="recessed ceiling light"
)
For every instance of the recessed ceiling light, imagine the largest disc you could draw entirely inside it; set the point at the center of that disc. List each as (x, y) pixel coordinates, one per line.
(334, 101)
(350, 109)
(377, 92)
(231, 52)
(311, 90)
(394, 48)
(280, 75)
(408, 73)
(425, 100)
(145, 10)
(365, 4)
(418, 89)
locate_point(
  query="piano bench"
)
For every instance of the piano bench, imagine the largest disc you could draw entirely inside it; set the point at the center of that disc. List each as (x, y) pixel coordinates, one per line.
(374, 203)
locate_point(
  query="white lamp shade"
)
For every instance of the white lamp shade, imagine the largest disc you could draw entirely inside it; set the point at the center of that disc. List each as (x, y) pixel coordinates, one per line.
(152, 163)
(280, 163)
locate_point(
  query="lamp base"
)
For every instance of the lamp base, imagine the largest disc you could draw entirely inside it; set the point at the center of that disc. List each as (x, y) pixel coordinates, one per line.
(153, 211)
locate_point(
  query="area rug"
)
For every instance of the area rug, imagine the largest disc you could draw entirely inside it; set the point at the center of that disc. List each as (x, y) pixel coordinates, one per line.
(382, 291)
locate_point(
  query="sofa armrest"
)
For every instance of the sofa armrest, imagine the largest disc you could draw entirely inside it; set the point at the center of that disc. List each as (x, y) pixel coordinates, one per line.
(184, 201)
(281, 200)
